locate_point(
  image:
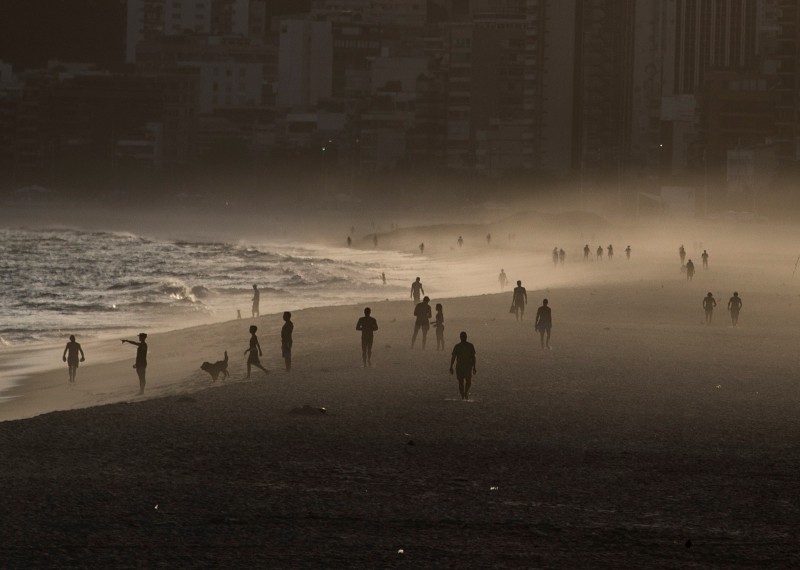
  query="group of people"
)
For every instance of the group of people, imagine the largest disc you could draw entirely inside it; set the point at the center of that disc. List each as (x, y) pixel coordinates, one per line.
(734, 306)
(689, 267)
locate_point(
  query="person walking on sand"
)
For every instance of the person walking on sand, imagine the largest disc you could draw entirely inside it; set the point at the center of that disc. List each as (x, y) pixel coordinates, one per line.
(562, 255)
(555, 257)
(519, 300)
(460, 241)
(708, 306)
(141, 359)
(503, 278)
(439, 326)
(543, 324)
(689, 270)
(70, 356)
(682, 253)
(734, 306)
(383, 277)
(489, 239)
(705, 259)
(422, 321)
(367, 325)
(610, 252)
(599, 255)
(464, 358)
(286, 340)
(254, 352)
(417, 290)
(422, 248)
(586, 252)
(256, 301)
(628, 252)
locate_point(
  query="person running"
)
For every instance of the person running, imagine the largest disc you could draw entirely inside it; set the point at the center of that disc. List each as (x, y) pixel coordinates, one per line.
(708, 306)
(610, 252)
(734, 306)
(689, 270)
(562, 255)
(682, 253)
(254, 352)
(503, 278)
(70, 356)
(422, 248)
(586, 252)
(599, 255)
(417, 290)
(141, 359)
(367, 325)
(256, 301)
(543, 324)
(555, 257)
(464, 358)
(422, 312)
(383, 277)
(460, 241)
(286, 339)
(439, 326)
(705, 259)
(628, 252)
(519, 300)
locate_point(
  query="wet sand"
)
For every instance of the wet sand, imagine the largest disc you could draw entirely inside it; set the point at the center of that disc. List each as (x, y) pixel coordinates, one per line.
(640, 430)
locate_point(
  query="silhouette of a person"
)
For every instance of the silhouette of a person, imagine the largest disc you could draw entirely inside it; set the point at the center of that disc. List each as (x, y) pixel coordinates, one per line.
(519, 300)
(734, 306)
(705, 259)
(503, 278)
(562, 255)
(586, 252)
(417, 290)
(543, 323)
(422, 321)
(610, 252)
(367, 325)
(286, 340)
(708, 306)
(256, 301)
(422, 248)
(689, 270)
(464, 358)
(383, 278)
(349, 241)
(628, 252)
(70, 356)
(599, 255)
(141, 359)
(439, 326)
(555, 256)
(460, 241)
(488, 239)
(682, 253)
(254, 352)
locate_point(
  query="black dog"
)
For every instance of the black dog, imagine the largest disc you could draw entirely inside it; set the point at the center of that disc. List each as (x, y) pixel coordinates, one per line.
(220, 366)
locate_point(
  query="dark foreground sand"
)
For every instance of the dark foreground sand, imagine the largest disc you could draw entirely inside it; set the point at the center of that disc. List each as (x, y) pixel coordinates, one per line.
(641, 430)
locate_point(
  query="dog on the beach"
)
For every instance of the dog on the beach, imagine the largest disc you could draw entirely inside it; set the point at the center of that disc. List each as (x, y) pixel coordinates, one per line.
(217, 368)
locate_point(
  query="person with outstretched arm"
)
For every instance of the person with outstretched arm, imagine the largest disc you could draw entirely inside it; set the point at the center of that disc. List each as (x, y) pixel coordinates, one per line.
(464, 358)
(141, 359)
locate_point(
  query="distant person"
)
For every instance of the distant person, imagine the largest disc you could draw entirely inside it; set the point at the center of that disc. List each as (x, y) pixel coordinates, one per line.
(460, 241)
(422, 321)
(734, 306)
(705, 259)
(463, 357)
(682, 253)
(489, 239)
(543, 324)
(708, 306)
(503, 278)
(417, 290)
(628, 252)
(555, 256)
(519, 300)
(286, 340)
(439, 326)
(610, 252)
(383, 277)
(367, 325)
(562, 255)
(599, 255)
(689, 270)
(141, 359)
(70, 356)
(254, 352)
(349, 241)
(256, 301)
(422, 248)
(375, 240)
(586, 252)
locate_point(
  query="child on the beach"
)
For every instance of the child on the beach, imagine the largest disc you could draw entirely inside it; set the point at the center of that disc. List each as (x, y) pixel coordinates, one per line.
(439, 326)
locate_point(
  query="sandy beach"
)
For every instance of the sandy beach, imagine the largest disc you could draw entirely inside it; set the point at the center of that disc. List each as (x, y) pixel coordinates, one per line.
(641, 430)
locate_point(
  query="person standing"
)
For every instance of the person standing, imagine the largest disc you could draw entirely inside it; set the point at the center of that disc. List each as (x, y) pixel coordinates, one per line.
(705, 259)
(367, 325)
(70, 356)
(464, 358)
(254, 352)
(734, 306)
(256, 301)
(519, 300)
(628, 252)
(417, 290)
(682, 253)
(422, 321)
(349, 241)
(286, 340)
(689, 270)
(460, 241)
(599, 256)
(562, 255)
(503, 278)
(141, 359)
(543, 324)
(439, 326)
(489, 239)
(422, 248)
(610, 252)
(708, 306)
(586, 252)
(383, 277)
(555, 257)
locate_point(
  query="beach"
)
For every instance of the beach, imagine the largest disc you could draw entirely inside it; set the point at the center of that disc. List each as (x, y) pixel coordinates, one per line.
(643, 439)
